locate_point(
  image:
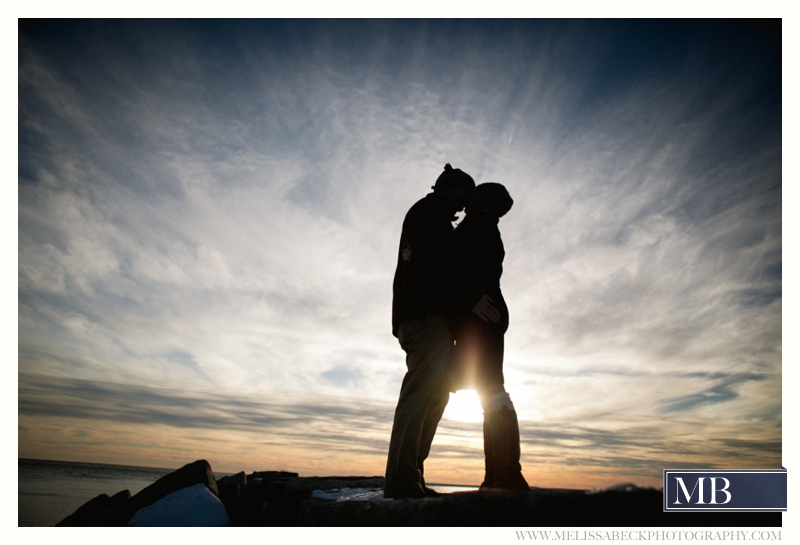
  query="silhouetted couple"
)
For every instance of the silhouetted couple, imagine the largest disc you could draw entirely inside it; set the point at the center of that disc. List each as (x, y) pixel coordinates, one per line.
(450, 317)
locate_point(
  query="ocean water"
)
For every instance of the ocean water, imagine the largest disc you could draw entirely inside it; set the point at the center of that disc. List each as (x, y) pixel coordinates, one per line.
(49, 491)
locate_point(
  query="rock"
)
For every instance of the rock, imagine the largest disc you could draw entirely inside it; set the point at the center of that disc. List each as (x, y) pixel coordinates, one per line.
(96, 510)
(541, 507)
(271, 475)
(238, 479)
(274, 498)
(257, 499)
(230, 492)
(120, 513)
(280, 498)
(198, 472)
(332, 483)
(299, 489)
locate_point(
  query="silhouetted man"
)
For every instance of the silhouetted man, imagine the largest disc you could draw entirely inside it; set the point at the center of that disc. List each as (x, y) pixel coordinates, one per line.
(422, 307)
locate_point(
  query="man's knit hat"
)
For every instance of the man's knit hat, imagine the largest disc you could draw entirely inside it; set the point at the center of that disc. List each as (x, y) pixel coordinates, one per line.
(454, 178)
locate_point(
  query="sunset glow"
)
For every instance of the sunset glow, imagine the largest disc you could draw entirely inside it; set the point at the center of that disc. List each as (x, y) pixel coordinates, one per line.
(209, 213)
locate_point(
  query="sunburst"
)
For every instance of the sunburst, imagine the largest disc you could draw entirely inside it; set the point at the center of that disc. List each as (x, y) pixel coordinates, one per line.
(464, 406)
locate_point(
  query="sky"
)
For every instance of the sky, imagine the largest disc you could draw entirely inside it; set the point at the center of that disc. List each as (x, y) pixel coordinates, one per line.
(209, 213)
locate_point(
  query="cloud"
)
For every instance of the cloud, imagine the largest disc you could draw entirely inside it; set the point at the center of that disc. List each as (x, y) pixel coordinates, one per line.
(719, 393)
(40, 395)
(214, 207)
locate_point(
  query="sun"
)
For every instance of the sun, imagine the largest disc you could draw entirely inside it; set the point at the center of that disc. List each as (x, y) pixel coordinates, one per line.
(464, 406)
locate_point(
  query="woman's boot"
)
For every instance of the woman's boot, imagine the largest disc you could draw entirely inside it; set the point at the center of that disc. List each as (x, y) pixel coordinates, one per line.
(504, 429)
(488, 452)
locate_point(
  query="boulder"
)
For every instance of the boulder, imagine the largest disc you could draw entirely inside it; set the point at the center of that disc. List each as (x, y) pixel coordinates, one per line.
(256, 499)
(198, 472)
(95, 511)
(273, 498)
(271, 475)
(100, 512)
(239, 479)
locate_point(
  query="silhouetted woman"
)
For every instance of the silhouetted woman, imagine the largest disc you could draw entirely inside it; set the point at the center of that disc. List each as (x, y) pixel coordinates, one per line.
(479, 340)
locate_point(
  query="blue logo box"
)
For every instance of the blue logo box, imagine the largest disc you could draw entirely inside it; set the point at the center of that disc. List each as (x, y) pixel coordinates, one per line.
(725, 490)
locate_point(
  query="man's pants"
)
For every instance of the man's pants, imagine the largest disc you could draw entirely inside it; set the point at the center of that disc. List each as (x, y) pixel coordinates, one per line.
(427, 342)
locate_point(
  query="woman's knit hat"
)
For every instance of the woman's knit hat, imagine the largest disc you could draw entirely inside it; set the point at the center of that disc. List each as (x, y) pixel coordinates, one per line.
(493, 198)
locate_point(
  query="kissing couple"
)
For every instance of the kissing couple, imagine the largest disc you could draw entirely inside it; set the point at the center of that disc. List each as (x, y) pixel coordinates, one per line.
(449, 315)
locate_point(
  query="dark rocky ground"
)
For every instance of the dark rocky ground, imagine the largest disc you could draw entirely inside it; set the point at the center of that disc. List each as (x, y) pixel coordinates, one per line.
(273, 498)
(542, 507)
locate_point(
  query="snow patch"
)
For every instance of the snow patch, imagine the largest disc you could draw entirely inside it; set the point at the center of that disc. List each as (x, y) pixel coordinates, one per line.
(191, 506)
(349, 494)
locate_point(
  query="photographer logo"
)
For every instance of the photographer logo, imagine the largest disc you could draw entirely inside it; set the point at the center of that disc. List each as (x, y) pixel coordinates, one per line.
(725, 490)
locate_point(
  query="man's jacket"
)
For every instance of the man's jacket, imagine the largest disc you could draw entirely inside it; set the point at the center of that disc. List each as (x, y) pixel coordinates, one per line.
(423, 278)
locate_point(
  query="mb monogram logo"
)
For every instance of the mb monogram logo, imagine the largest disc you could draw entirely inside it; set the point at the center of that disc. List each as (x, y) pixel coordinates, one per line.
(725, 490)
(699, 487)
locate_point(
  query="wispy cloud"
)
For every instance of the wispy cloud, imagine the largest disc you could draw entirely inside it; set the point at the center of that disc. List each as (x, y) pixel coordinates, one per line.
(214, 207)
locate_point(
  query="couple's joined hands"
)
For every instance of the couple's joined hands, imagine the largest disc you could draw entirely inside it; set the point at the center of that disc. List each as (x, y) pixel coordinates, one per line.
(485, 310)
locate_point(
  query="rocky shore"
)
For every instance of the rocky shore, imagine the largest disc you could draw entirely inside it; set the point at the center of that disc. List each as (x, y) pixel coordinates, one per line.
(278, 498)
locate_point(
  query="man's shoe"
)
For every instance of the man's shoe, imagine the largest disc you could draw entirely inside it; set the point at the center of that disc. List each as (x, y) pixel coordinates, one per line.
(404, 493)
(431, 493)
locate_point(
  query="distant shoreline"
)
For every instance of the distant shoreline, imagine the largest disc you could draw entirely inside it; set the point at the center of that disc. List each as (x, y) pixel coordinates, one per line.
(20, 459)
(221, 473)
